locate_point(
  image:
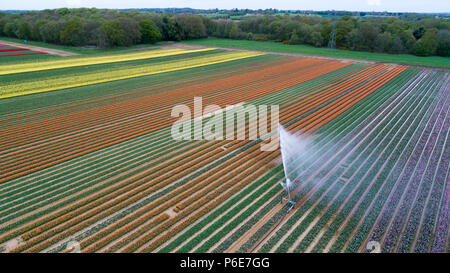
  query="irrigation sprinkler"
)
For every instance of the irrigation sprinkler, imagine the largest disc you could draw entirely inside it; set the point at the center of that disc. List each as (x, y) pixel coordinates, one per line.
(285, 185)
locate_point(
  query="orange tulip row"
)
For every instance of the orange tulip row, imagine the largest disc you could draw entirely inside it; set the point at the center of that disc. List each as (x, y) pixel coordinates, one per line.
(99, 244)
(115, 111)
(200, 204)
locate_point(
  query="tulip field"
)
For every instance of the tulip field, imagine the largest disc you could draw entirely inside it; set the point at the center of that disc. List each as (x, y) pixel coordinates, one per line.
(8, 51)
(87, 156)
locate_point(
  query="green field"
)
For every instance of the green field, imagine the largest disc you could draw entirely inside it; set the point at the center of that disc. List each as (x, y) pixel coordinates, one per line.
(309, 50)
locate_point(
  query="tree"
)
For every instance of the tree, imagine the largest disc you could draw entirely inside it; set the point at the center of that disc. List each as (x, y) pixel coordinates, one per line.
(304, 32)
(2, 25)
(316, 39)
(396, 46)
(383, 42)
(170, 30)
(427, 45)
(121, 32)
(325, 31)
(10, 29)
(50, 32)
(131, 29)
(93, 34)
(209, 24)
(408, 40)
(294, 40)
(115, 35)
(190, 27)
(234, 32)
(367, 33)
(36, 30)
(352, 40)
(419, 32)
(286, 28)
(24, 31)
(73, 32)
(101, 38)
(150, 32)
(344, 27)
(102, 27)
(223, 28)
(275, 29)
(443, 48)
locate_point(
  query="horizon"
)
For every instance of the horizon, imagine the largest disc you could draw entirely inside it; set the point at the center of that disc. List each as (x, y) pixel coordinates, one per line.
(414, 6)
(314, 10)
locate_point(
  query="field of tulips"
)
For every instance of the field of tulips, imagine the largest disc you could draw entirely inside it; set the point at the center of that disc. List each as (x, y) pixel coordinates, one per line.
(7, 51)
(86, 155)
(82, 61)
(51, 83)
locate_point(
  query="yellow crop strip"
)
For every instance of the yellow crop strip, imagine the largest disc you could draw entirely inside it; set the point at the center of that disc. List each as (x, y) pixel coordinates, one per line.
(73, 62)
(69, 81)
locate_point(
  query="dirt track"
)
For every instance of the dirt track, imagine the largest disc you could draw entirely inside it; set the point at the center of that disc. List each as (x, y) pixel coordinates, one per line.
(40, 49)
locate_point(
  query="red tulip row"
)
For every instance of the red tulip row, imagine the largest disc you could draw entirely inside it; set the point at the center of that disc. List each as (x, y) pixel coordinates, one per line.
(18, 54)
(12, 49)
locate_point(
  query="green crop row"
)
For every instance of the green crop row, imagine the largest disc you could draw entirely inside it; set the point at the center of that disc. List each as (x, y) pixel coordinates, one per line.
(333, 207)
(379, 162)
(392, 180)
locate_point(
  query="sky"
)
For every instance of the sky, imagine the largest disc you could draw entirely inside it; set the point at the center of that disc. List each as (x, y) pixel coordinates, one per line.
(351, 5)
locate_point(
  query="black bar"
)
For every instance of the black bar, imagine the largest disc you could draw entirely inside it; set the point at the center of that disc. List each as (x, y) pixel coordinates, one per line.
(223, 262)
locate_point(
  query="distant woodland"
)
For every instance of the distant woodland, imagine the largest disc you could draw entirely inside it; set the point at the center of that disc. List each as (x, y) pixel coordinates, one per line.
(407, 33)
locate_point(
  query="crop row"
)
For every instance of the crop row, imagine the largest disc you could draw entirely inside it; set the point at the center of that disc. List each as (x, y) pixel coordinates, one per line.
(20, 54)
(119, 111)
(50, 105)
(197, 226)
(83, 61)
(354, 120)
(13, 89)
(381, 178)
(12, 49)
(384, 156)
(53, 157)
(147, 228)
(359, 183)
(402, 182)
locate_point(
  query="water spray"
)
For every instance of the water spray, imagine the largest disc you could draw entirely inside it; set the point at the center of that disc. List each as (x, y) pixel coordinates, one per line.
(291, 147)
(286, 154)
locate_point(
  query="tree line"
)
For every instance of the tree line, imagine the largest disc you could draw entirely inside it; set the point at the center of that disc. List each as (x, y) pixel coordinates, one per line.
(107, 28)
(422, 37)
(101, 27)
